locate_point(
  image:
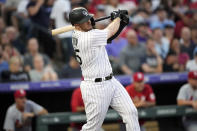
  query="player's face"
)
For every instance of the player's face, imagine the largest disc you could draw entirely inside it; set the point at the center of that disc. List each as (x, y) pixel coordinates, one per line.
(20, 102)
(139, 86)
(86, 26)
(193, 83)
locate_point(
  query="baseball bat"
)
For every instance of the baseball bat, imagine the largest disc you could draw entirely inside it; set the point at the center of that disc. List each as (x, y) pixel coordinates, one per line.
(62, 30)
(70, 27)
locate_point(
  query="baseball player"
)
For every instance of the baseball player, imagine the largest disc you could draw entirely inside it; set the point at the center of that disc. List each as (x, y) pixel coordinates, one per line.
(19, 115)
(187, 96)
(141, 94)
(99, 88)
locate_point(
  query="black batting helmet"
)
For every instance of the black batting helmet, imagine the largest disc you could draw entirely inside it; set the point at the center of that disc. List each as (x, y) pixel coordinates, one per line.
(79, 15)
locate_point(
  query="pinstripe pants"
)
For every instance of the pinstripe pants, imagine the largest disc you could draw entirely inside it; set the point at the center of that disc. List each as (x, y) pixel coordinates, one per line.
(99, 96)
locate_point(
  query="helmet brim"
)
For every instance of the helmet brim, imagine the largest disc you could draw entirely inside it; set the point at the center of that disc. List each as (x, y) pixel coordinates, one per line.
(85, 19)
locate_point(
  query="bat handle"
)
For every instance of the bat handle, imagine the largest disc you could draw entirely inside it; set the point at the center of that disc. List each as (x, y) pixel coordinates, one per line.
(102, 18)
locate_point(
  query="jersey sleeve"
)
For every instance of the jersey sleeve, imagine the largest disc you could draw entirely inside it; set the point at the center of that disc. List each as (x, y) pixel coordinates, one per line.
(182, 94)
(9, 121)
(35, 107)
(99, 37)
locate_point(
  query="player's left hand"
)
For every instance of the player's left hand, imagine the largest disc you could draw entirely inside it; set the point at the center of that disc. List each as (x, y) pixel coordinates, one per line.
(124, 19)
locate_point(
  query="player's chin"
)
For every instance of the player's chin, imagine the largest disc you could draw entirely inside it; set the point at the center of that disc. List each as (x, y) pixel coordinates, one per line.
(90, 27)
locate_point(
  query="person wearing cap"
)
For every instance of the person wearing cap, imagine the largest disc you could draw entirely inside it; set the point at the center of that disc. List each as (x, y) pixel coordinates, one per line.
(162, 43)
(20, 114)
(143, 31)
(141, 93)
(187, 96)
(169, 29)
(160, 15)
(192, 64)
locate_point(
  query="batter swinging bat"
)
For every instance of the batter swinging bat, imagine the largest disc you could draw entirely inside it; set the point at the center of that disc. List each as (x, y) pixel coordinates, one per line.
(70, 27)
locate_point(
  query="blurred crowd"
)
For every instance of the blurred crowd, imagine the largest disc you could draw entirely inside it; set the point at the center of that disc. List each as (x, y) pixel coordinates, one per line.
(161, 37)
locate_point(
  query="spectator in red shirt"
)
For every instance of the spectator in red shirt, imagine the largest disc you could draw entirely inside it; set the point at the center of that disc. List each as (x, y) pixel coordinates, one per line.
(77, 104)
(141, 93)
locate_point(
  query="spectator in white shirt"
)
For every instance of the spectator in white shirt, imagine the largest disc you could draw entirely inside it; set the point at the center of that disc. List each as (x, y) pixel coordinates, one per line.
(192, 64)
(59, 18)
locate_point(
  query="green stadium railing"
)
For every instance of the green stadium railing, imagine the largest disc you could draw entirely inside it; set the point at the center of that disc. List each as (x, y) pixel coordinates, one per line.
(43, 122)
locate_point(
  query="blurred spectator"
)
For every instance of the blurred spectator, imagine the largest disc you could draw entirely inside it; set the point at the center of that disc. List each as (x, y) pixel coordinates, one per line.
(143, 32)
(9, 9)
(100, 12)
(162, 44)
(3, 64)
(39, 13)
(175, 61)
(40, 73)
(183, 58)
(147, 5)
(168, 6)
(175, 46)
(15, 72)
(77, 105)
(59, 17)
(9, 51)
(192, 64)
(152, 62)
(169, 29)
(13, 38)
(71, 70)
(112, 6)
(194, 35)
(132, 53)
(160, 15)
(186, 44)
(187, 96)
(171, 63)
(2, 26)
(141, 93)
(22, 8)
(19, 115)
(33, 50)
(4, 39)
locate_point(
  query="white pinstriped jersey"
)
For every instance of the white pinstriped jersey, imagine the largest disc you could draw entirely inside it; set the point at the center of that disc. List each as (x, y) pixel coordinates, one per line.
(91, 53)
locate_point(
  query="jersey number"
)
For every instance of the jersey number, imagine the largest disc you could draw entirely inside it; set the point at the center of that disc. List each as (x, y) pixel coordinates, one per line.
(78, 58)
